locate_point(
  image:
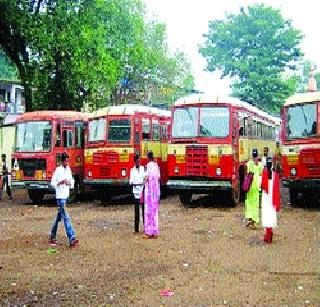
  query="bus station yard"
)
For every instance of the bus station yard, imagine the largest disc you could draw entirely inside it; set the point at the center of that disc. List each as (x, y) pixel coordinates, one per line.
(204, 256)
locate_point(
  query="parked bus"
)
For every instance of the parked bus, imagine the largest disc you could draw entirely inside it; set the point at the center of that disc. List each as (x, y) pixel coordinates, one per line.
(301, 145)
(212, 139)
(115, 134)
(41, 138)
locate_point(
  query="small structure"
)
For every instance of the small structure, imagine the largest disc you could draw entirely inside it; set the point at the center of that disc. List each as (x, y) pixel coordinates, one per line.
(11, 98)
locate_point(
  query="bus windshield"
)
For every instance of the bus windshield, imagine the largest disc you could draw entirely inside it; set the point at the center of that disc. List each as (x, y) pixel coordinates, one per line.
(185, 122)
(34, 136)
(119, 131)
(301, 121)
(214, 122)
(97, 130)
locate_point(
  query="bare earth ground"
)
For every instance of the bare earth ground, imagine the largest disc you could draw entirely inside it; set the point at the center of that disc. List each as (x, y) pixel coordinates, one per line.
(205, 255)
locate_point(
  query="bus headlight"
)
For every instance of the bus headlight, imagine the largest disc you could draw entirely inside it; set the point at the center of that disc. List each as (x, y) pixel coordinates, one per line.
(293, 171)
(176, 170)
(218, 171)
(44, 174)
(123, 172)
(89, 173)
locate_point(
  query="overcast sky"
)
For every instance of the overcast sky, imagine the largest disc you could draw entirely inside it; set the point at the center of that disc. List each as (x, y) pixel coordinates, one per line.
(187, 20)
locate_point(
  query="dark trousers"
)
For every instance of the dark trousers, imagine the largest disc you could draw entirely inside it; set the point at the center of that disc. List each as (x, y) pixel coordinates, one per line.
(5, 184)
(137, 206)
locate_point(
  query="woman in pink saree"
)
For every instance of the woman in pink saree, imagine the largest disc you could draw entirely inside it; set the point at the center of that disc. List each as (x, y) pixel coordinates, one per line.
(151, 198)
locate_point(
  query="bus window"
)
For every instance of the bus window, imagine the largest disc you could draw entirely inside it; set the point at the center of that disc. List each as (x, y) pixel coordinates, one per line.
(259, 128)
(155, 132)
(119, 130)
(254, 130)
(164, 132)
(241, 126)
(67, 138)
(145, 129)
(245, 126)
(79, 135)
(58, 136)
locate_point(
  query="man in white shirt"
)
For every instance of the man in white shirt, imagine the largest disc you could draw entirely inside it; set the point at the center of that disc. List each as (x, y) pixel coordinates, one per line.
(137, 175)
(62, 181)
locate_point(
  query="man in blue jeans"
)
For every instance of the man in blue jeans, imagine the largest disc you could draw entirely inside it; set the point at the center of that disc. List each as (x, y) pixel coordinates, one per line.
(62, 181)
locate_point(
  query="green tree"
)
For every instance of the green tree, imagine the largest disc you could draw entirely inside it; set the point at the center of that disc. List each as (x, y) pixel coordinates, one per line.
(254, 48)
(7, 69)
(73, 52)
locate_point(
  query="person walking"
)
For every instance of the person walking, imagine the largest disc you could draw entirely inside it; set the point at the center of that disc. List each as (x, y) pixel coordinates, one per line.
(252, 201)
(62, 181)
(270, 203)
(137, 181)
(5, 178)
(151, 198)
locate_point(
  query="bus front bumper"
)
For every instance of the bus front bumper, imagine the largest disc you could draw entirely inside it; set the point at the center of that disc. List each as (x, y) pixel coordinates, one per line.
(199, 186)
(106, 182)
(31, 185)
(302, 183)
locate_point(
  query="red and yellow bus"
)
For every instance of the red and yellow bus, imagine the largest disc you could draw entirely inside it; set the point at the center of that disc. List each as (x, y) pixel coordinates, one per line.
(301, 145)
(41, 138)
(115, 134)
(212, 139)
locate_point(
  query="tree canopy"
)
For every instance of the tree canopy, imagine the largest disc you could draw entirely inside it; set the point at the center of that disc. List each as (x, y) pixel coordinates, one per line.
(68, 53)
(254, 48)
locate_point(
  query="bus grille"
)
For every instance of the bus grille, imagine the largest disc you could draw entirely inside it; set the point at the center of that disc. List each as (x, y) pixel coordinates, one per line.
(196, 160)
(105, 172)
(29, 166)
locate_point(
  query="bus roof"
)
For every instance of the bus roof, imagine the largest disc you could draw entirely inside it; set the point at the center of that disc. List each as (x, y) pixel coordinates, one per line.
(217, 99)
(47, 115)
(129, 109)
(302, 98)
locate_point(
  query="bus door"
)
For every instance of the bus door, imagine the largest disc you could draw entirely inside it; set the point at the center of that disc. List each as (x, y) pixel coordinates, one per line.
(235, 142)
(137, 126)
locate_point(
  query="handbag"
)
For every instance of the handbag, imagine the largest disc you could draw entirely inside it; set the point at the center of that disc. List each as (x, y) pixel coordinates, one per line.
(247, 182)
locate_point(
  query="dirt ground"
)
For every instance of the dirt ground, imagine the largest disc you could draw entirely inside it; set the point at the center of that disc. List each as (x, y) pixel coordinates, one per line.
(204, 256)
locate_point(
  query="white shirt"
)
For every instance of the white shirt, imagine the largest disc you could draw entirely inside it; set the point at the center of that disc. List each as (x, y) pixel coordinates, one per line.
(136, 177)
(62, 173)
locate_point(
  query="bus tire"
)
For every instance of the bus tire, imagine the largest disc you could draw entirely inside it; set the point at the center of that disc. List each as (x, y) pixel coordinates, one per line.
(185, 197)
(234, 196)
(105, 196)
(74, 193)
(164, 192)
(294, 196)
(36, 196)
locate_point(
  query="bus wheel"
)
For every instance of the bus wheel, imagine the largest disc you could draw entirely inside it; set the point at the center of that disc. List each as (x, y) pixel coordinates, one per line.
(164, 192)
(105, 196)
(233, 197)
(294, 195)
(36, 196)
(185, 197)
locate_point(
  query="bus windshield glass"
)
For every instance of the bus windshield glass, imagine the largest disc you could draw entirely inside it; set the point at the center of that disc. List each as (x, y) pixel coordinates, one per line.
(214, 122)
(301, 121)
(97, 130)
(34, 136)
(119, 131)
(185, 122)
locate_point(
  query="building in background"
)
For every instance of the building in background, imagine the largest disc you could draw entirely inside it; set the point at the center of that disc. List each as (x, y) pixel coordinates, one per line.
(11, 98)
